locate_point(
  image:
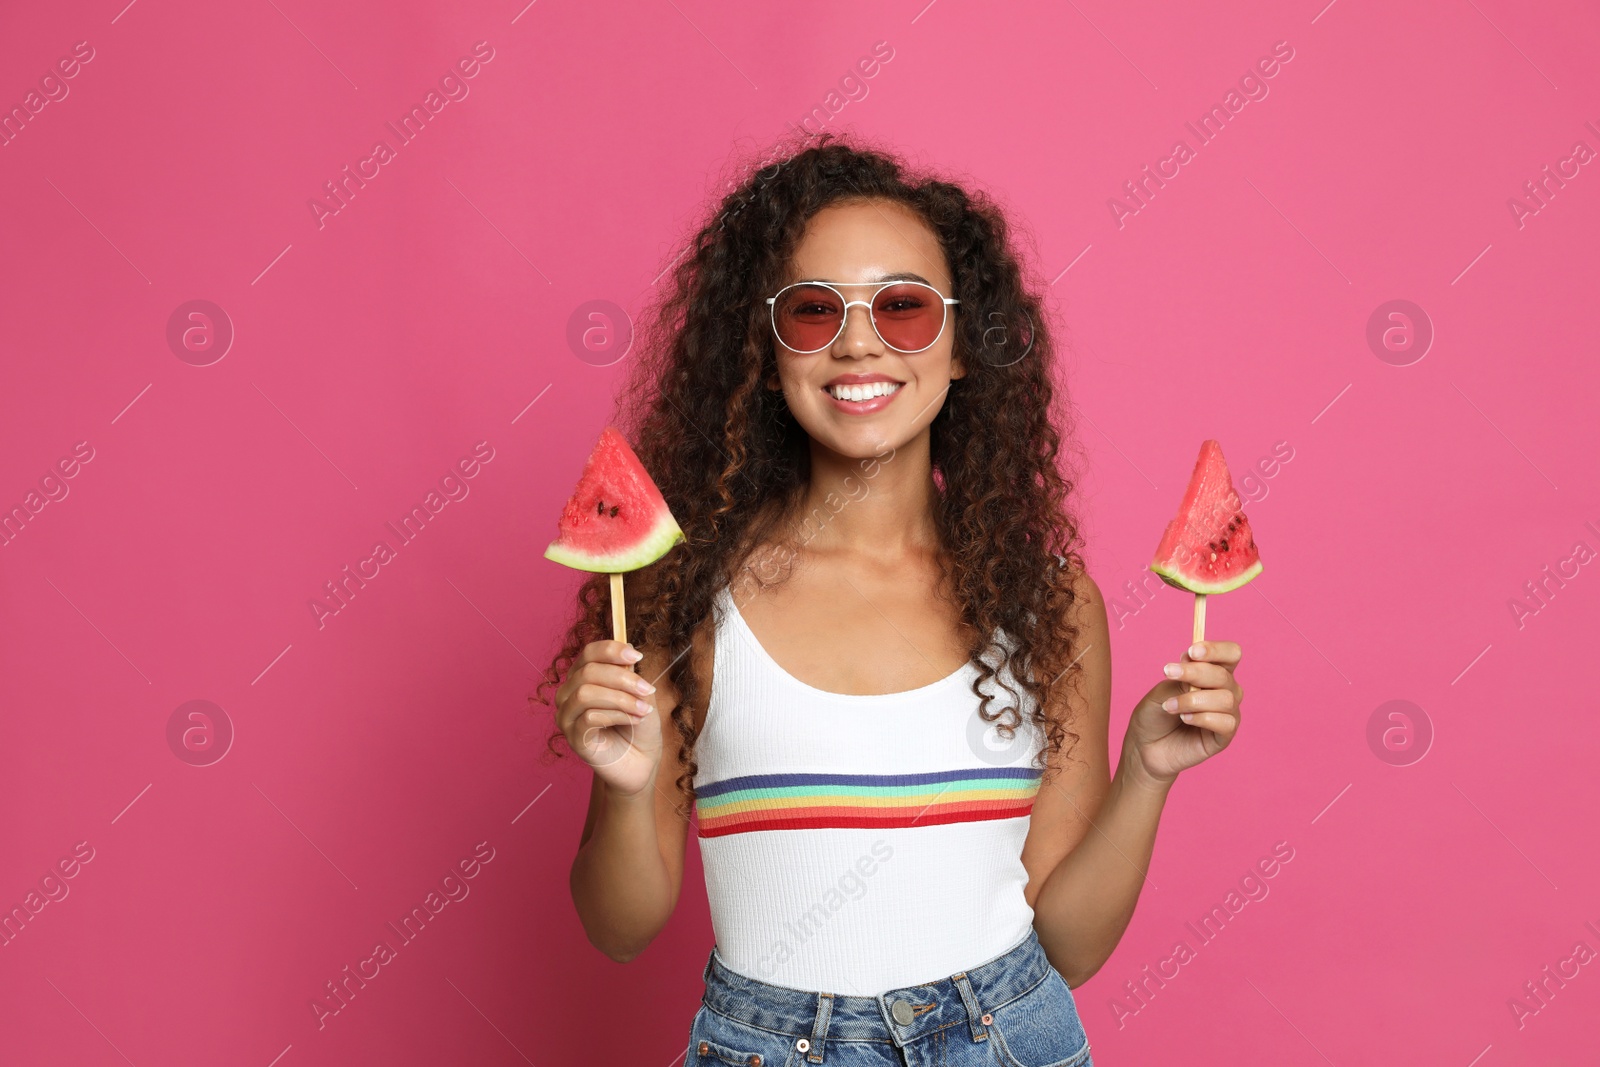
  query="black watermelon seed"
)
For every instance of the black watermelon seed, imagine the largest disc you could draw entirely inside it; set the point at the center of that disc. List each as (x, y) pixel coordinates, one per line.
(614, 508)
(599, 507)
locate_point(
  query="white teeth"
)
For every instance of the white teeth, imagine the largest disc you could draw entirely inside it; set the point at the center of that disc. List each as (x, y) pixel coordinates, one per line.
(863, 392)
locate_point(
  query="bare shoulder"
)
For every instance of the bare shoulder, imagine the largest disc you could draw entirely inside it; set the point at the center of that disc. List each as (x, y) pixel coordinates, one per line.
(1085, 705)
(1087, 590)
(1089, 652)
(1094, 631)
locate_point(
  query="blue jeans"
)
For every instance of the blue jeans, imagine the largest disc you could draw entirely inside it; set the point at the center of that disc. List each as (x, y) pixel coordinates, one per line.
(1012, 1011)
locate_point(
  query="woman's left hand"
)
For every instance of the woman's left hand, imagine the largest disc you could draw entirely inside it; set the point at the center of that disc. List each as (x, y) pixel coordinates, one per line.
(1175, 727)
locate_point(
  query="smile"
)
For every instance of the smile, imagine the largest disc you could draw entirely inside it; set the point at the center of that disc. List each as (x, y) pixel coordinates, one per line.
(863, 398)
(859, 393)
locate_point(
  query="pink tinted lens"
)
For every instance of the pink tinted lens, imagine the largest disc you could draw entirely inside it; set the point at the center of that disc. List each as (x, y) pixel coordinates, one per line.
(806, 317)
(909, 316)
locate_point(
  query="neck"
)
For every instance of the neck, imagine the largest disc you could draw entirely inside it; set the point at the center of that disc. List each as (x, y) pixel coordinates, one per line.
(879, 506)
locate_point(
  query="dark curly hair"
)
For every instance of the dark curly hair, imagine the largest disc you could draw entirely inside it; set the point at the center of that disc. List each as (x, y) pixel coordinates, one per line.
(733, 463)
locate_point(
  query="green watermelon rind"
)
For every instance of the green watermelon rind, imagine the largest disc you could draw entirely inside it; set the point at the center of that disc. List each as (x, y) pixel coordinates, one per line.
(652, 546)
(1194, 585)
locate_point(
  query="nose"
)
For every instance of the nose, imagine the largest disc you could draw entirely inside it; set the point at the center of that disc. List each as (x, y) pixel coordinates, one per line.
(858, 333)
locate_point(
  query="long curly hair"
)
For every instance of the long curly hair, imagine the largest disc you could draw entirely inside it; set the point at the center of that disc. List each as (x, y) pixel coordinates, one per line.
(732, 462)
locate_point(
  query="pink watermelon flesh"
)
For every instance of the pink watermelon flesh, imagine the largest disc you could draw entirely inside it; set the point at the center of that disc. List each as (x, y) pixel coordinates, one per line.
(617, 520)
(1208, 548)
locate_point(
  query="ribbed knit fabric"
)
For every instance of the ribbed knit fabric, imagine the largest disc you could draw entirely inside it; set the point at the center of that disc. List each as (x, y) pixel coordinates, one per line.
(858, 844)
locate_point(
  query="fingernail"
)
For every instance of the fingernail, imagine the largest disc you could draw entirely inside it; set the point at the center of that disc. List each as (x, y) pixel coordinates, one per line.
(644, 687)
(1196, 651)
(644, 709)
(1170, 704)
(1172, 670)
(1186, 717)
(632, 655)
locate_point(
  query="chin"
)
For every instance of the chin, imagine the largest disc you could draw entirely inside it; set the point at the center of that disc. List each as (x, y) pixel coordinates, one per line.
(861, 442)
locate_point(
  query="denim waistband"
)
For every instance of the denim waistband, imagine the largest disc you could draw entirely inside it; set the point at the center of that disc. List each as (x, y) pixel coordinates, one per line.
(965, 996)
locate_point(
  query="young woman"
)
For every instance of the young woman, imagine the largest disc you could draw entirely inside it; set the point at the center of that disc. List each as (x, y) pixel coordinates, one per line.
(881, 675)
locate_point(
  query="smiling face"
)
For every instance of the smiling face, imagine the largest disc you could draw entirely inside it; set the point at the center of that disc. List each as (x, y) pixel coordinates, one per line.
(857, 397)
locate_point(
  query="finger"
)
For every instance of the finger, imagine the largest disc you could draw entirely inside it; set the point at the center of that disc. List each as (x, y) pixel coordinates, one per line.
(1201, 700)
(1200, 674)
(590, 695)
(594, 655)
(600, 718)
(588, 731)
(613, 676)
(608, 652)
(1226, 653)
(1223, 724)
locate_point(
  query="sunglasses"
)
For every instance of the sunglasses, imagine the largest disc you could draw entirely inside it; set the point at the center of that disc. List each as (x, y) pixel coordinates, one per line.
(908, 316)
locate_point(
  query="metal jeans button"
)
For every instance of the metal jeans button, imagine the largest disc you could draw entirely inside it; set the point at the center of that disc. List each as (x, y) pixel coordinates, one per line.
(901, 1010)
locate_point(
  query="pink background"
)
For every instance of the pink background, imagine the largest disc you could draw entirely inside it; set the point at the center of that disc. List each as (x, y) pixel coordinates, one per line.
(373, 753)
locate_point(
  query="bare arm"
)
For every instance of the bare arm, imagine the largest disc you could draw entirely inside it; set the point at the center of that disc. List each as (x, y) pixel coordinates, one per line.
(1069, 818)
(1087, 901)
(1088, 895)
(628, 870)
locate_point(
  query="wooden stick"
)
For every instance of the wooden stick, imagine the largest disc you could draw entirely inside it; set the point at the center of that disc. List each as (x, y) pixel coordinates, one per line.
(619, 612)
(1199, 623)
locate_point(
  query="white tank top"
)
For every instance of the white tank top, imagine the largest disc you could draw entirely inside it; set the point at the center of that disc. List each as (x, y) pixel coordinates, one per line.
(858, 844)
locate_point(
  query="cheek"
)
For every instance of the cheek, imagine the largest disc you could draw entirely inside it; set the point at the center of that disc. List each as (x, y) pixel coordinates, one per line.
(795, 376)
(796, 395)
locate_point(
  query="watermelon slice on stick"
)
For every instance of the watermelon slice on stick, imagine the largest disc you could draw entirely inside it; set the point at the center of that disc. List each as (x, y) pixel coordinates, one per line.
(615, 521)
(1208, 548)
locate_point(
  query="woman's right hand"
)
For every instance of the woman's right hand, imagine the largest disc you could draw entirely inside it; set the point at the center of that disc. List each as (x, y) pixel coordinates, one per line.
(607, 714)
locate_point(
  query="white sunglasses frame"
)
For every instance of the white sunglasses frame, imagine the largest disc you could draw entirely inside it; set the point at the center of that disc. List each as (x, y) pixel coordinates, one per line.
(844, 316)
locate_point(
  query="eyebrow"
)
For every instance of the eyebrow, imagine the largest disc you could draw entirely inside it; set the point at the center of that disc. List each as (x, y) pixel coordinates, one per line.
(902, 276)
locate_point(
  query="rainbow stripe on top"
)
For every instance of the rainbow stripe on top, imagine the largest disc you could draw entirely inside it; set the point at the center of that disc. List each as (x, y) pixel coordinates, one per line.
(805, 801)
